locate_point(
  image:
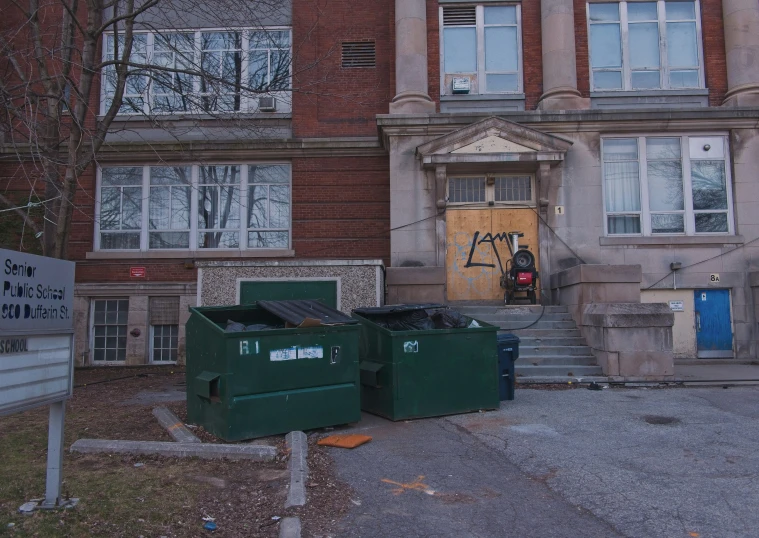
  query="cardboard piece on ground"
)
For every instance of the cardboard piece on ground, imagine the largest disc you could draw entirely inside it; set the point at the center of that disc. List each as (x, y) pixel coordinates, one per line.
(344, 441)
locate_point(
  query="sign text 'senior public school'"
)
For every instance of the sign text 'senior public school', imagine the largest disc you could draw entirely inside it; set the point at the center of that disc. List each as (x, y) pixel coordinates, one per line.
(36, 293)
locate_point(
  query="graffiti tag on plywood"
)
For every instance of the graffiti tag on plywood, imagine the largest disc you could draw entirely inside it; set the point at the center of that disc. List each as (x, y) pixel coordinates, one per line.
(492, 240)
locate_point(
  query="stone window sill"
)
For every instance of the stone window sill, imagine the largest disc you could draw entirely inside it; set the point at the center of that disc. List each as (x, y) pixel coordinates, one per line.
(483, 97)
(650, 93)
(203, 117)
(183, 254)
(676, 241)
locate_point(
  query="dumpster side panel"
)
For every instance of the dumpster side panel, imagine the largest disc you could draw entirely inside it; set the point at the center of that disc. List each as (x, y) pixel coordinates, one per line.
(448, 373)
(243, 385)
(378, 385)
(206, 375)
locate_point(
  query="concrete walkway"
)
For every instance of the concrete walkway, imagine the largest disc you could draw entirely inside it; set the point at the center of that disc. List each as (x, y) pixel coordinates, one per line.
(700, 371)
(646, 462)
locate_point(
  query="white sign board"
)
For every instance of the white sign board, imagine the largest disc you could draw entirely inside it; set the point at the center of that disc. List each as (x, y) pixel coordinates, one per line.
(34, 371)
(36, 294)
(677, 306)
(36, 330)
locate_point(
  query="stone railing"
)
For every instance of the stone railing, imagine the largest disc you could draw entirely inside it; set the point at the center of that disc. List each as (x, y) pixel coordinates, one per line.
(630, 339)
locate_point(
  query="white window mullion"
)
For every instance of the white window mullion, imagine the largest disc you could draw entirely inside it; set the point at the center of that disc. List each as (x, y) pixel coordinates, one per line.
(520, 75)
(244, 206)
(729, 186)
(197, 101)
(700, 50)
(690, 219)
(645, 211)
(145, 207)
(663, 57)
(624, 30)
(147, 105)
(480, 31)
(245, 101)
(194, 181)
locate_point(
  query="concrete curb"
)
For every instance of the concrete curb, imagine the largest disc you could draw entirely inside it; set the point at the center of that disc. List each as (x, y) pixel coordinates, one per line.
(297, 444)
(174, 426)
(290, 528)
(179, 450)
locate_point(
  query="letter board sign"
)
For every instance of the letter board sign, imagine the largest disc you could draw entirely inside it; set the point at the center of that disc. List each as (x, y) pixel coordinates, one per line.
(36, 330)
(36, 294)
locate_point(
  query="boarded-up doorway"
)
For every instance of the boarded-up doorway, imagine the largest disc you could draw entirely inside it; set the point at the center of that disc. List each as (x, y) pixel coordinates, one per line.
(477, 249)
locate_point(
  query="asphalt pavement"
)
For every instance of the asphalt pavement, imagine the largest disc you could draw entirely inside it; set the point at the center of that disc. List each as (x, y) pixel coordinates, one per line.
(644, 462)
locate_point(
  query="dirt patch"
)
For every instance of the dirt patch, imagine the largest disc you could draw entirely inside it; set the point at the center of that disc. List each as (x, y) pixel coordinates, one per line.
(131, 496)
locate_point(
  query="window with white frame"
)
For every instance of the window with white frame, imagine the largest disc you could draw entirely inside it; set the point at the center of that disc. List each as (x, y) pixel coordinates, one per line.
(645, 45)
(496, 188)
(109, 330)
(483, 44)
(667, 185)
(200, 71)
(194, 207)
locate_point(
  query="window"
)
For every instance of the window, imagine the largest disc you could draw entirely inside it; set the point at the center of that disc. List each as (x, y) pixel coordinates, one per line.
(223, 71)
(491, 188)
(109, 330)
(645, 45)
(667, 185)
(194, 207)
(164, 328)
(164, 343)
(483, 43)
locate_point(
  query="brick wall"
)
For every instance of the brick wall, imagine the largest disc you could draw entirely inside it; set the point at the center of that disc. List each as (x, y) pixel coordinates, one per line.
(532, 54)
(713, 30)
(713, 44)
(329, 100)
(341, 207)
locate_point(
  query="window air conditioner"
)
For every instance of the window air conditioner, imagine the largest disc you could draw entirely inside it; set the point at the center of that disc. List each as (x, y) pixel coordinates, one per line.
(461, 85)
(267, 104)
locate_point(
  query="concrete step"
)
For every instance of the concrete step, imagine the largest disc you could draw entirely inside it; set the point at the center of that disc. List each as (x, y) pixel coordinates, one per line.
(547, 333)
(537, 351)
(559, 371)
(556, 360)
(542, 325)
(520, 310)
(537, 341)
(548, 316)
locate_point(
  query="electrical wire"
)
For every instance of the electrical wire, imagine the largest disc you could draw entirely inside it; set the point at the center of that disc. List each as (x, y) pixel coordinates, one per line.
(739, 247)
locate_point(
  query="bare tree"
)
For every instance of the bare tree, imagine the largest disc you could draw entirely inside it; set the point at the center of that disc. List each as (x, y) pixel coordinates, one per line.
(148, 60)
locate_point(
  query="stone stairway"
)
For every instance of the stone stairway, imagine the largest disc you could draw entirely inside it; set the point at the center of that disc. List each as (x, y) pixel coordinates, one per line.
(551, 348)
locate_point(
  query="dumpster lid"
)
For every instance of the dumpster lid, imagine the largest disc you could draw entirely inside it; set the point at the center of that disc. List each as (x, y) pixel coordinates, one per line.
(507, 339)
(396, 308)
(304, 312)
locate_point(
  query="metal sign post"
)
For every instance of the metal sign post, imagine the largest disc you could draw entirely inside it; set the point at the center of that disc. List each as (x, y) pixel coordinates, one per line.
(37, 349)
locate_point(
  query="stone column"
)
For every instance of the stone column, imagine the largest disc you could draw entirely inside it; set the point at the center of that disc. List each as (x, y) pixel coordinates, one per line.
(411, 59)
(557, 26)
(741, 19)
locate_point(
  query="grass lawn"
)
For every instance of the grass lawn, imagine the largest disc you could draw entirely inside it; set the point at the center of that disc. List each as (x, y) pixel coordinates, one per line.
(161, 497)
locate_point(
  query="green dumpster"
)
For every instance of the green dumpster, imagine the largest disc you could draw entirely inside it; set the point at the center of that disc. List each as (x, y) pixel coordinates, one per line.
(290, 365)
(429, 372)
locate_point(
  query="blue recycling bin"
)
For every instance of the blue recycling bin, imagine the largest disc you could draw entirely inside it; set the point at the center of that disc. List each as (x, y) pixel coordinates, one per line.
(508, 353)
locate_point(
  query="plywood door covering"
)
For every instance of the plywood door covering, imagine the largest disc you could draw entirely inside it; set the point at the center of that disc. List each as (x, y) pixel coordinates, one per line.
(473, 274)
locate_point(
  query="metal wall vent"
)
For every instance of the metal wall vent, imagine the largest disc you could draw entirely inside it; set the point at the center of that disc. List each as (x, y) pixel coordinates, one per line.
(359, 54)
(459, 16)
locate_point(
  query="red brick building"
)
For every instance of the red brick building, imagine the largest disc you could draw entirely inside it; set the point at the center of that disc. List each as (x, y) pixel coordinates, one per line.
(620, 134)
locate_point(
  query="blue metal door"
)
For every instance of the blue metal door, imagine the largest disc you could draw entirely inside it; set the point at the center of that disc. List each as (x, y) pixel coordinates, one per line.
(714, 332)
